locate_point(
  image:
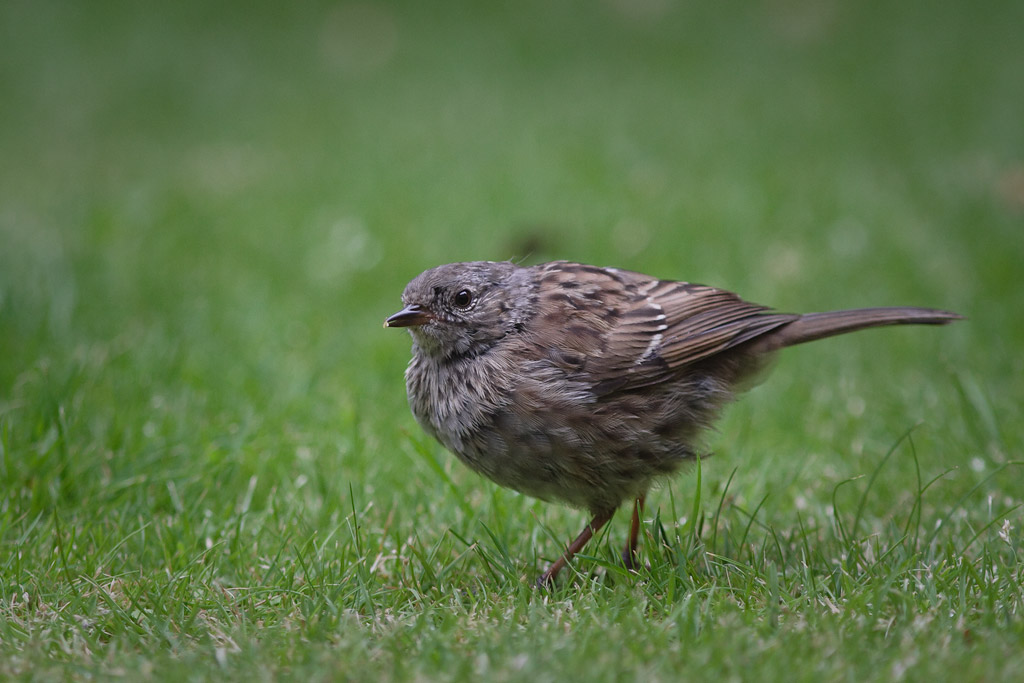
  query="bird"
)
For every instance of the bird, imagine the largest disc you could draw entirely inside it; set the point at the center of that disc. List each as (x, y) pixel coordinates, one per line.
(586, 385)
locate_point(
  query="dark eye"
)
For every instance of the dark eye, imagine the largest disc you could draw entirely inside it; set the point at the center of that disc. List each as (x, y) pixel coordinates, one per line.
(463, 299)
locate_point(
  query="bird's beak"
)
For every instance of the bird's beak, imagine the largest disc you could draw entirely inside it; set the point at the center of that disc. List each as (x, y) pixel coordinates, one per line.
(411, 316)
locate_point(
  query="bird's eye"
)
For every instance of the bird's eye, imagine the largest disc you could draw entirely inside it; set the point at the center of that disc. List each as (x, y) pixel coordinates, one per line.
(463, 299)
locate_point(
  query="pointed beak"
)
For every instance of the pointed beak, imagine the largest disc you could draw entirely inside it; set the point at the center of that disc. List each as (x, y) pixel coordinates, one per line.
(411, 316)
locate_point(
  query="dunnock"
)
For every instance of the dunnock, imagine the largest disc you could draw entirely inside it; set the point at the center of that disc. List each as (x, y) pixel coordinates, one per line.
(582, 384)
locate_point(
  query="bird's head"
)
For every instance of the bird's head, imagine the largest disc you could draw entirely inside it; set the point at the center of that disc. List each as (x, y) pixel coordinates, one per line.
(463, 309)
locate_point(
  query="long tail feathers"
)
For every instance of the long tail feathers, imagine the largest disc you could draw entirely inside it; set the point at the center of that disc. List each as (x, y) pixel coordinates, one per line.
(814, 326)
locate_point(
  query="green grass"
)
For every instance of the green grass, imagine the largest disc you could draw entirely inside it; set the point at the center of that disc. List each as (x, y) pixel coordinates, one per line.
(208, 469)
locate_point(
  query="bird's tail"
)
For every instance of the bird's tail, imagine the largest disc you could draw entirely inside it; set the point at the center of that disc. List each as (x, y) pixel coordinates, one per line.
(812, 326)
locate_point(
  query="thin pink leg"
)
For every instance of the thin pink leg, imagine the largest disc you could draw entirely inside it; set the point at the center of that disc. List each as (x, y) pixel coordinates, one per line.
(629, 556)
(548, 577)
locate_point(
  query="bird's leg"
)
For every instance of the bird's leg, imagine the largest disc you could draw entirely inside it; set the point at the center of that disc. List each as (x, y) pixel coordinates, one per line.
(599, 520)
(629, 557)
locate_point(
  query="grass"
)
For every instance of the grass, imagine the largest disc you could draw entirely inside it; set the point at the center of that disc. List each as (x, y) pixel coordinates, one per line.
(208, 468)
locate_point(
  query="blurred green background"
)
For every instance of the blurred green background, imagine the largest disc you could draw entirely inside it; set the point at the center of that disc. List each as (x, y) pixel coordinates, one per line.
(207, 210)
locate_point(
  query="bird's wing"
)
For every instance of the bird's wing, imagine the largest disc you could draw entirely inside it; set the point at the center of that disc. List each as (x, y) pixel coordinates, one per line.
(644, 330)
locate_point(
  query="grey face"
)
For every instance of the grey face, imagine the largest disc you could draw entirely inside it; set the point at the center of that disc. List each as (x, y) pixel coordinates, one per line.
(462, 309)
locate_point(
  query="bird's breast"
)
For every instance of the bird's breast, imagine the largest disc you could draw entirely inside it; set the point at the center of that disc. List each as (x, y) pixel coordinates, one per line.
(453, 400)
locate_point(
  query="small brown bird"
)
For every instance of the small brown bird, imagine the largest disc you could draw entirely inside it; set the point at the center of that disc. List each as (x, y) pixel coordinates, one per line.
(582, 384)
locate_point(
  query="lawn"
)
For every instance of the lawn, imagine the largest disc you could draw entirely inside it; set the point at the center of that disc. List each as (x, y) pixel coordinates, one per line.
(208, 470)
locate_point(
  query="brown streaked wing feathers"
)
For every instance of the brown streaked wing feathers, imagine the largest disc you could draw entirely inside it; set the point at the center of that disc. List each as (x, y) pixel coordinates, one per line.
(698, 322)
